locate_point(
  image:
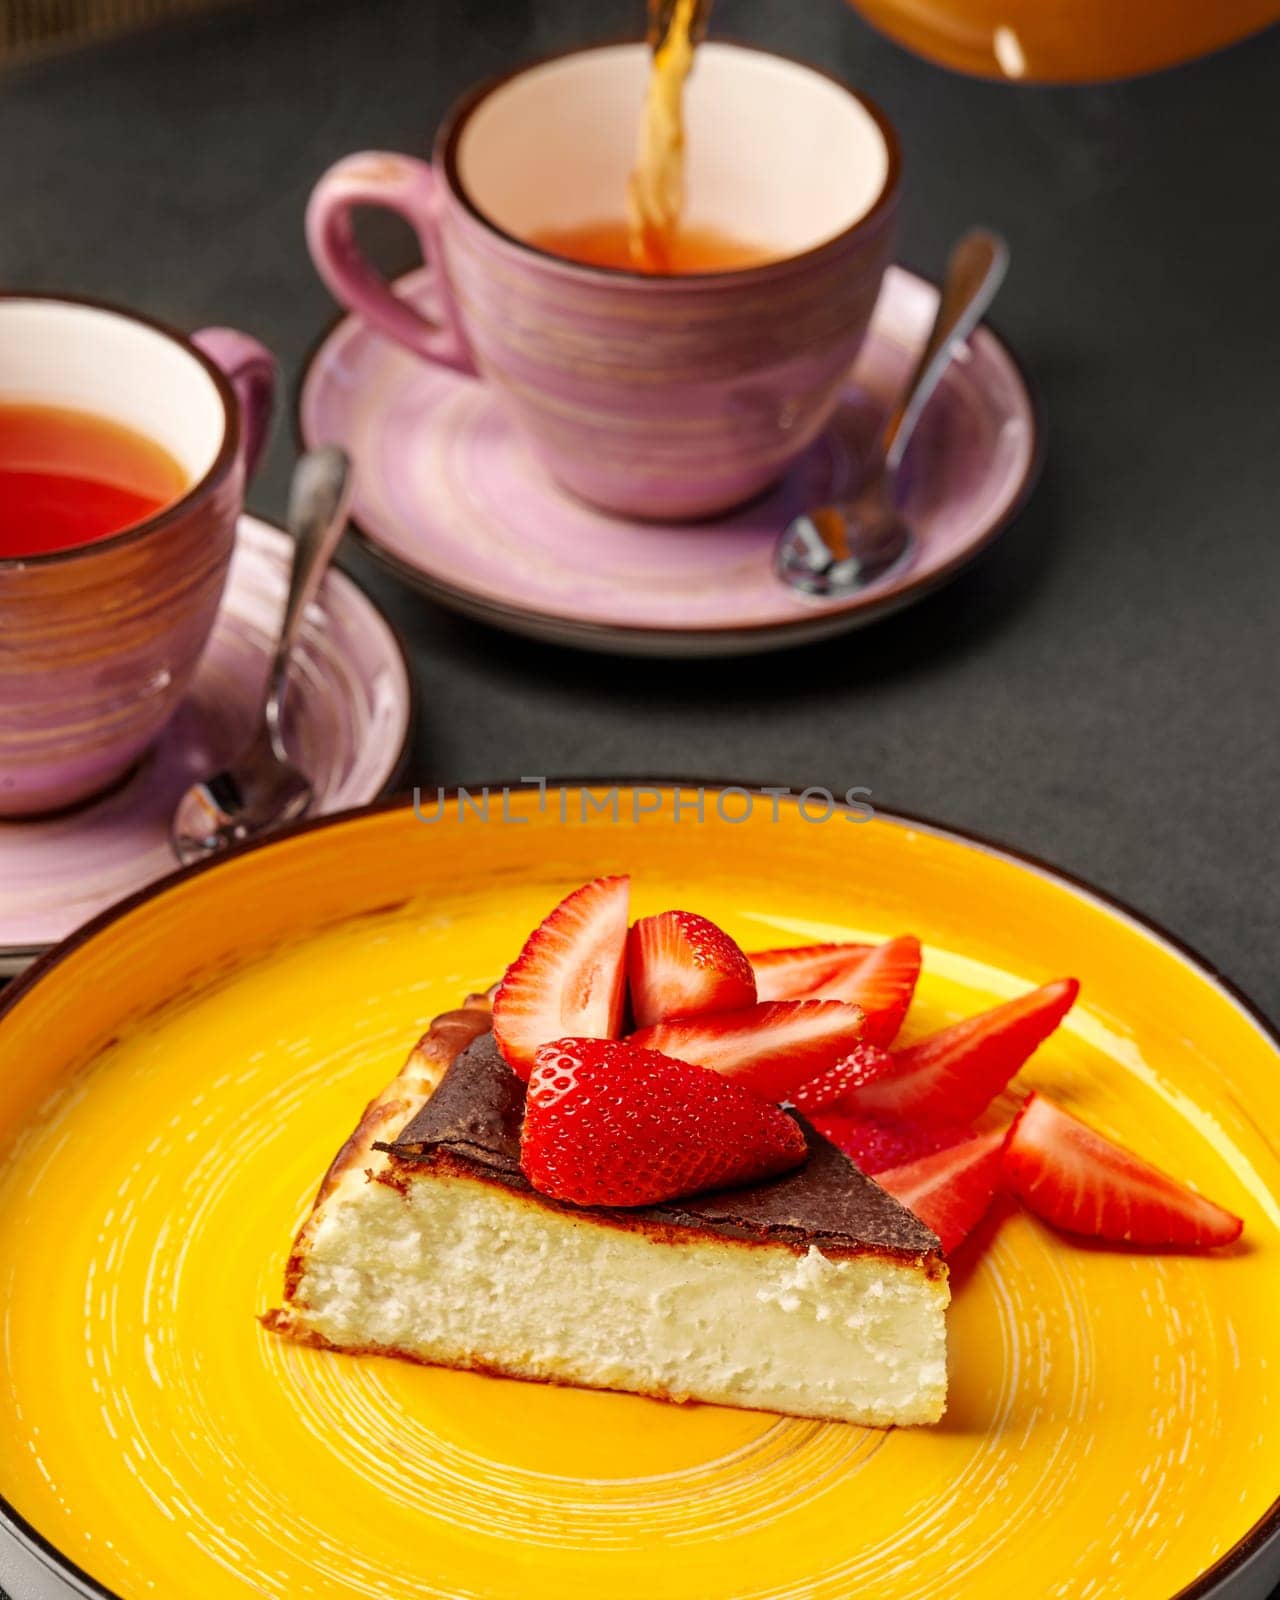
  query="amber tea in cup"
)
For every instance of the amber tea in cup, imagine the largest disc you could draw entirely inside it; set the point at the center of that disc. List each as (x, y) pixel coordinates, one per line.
(651, 394)
(69, 477)
(654, 237)
(690, 250)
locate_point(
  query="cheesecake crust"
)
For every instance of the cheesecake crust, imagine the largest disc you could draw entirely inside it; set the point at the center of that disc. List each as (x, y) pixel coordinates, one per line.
(358, 1161)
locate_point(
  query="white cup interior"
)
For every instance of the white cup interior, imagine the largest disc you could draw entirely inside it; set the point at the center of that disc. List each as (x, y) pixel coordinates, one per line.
(776, 154)
(55, 353)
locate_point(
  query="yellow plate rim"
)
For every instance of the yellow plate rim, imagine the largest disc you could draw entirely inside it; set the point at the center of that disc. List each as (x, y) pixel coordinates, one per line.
(1210, 1581)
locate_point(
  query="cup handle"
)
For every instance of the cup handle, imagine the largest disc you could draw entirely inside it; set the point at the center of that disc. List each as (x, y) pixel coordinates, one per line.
(251, 369)
(411, 189)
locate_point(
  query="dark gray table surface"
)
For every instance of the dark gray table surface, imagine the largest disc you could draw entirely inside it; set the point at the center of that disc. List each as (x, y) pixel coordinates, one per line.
(1100, 689)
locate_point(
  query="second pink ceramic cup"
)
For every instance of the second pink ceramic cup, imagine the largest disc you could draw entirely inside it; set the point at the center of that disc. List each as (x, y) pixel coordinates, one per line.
(98, 642)
(654, 397)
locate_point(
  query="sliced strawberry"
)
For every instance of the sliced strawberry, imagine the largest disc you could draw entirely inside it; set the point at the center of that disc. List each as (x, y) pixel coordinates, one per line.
(569, 978)
(954, 1075)
(797, 973)
(952, 1190)
(770, 1049)
(881, 983)
(681, 965)
(874, 1147)
(864, 1064)
(608, 1124)
(1074, 1178)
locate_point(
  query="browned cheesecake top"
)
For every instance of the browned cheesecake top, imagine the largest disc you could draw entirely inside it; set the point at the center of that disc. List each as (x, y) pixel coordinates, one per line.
(477, 1111)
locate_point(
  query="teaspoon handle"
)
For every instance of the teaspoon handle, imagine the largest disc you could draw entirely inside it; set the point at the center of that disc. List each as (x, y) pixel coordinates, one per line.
(318, 500)
(975, 270)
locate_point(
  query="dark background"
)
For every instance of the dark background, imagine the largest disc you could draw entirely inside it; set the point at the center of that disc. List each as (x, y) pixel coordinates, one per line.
(1100, 689)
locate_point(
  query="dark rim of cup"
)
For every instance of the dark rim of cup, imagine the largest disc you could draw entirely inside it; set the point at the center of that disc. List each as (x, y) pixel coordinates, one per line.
(176, 509)
(451, 130)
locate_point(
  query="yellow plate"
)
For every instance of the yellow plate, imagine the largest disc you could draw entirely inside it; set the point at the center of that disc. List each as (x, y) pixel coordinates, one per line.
(173, 1084)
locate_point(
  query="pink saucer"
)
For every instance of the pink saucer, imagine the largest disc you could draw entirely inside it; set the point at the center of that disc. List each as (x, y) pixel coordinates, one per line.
(348, 720)
(449, 495)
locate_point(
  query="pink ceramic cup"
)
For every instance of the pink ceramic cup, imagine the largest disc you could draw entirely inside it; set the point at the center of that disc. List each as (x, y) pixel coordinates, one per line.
(97, 643)
(654, 397)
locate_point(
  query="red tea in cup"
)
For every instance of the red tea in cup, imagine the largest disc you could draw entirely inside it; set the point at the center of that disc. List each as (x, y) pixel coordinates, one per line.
(124, 449)
(70, 478)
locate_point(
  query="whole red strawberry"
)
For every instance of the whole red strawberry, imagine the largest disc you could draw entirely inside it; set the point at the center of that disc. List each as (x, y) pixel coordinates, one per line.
(608, 1124)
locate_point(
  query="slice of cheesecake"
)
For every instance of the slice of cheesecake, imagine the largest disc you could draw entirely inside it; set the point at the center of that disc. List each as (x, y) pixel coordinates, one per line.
(813, 1294)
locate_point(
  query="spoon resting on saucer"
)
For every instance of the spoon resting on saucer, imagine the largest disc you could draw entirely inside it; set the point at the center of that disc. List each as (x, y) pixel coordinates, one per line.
(835, 550)
(264, 788)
